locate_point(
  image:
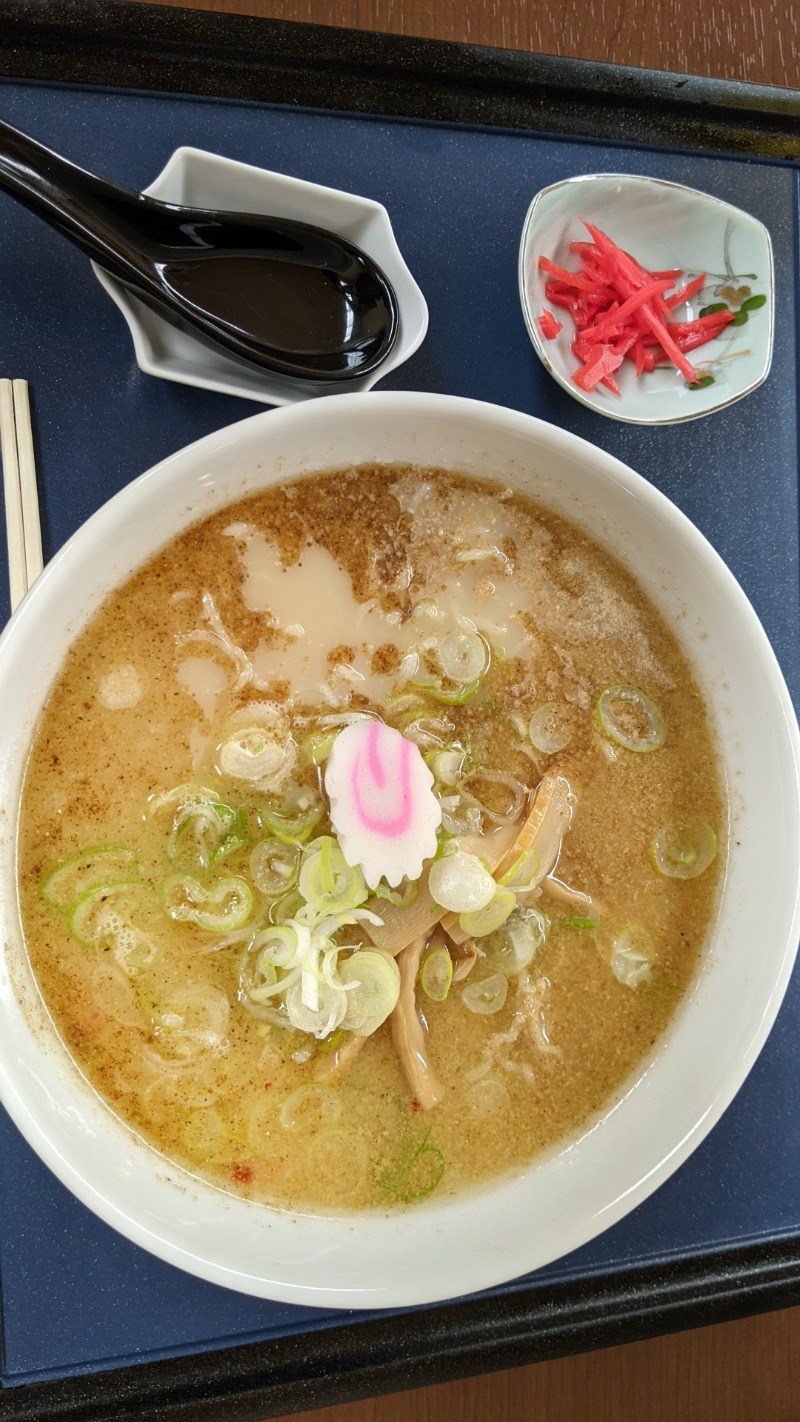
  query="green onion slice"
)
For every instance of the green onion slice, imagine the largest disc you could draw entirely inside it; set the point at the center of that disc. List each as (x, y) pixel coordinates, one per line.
(448, 695)
(202, 824)
(291, 828)
(372, 980)
(328, 883)
(263, 980)
(463, 657)
(226, 905)
(256, 977)
(95, 867)
(216, 830)
(400, 897)
(320, 1016)
(279, 945)
(108, 912)
(274, 867)
(261, 751)
(461, 883)
(684, 853)
(632, 956)
(550, 729)
(631, 719)
(446, 764)
(333, 1042)
(486, 920)
(524, 872)
(287, 907)
(436, 974)
(317, 746)
(514, 946)
(416, 1176)
(487, 996)
(310, 1107)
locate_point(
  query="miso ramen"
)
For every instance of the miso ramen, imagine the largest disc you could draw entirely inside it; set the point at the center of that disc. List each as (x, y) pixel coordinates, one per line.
(371, 836)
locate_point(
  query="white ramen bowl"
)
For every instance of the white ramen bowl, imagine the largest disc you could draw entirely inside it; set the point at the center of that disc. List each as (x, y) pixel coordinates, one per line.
(195, 178)
(586, 1184)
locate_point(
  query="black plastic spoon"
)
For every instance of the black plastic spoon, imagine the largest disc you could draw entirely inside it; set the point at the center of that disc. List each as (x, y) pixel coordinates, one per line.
(283, 295)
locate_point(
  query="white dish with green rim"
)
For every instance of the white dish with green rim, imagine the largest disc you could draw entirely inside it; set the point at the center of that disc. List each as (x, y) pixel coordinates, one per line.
(664, 226)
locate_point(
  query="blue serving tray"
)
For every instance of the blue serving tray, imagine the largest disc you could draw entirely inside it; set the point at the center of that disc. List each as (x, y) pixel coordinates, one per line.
(77, 1299)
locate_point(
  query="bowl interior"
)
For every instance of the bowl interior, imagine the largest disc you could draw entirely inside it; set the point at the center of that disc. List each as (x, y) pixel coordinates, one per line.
(588, 1183)
(664, 226)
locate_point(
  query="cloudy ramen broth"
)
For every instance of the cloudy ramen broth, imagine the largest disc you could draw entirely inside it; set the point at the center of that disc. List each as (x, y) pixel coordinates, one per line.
(190, 916)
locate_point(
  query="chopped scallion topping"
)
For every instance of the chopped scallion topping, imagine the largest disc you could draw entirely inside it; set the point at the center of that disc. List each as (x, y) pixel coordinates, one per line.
(487, 996)
(631, 958)
(631, 719)
(684, 853)
(224, 906)
(460, 882)
(436, 974)
(488, 919)
(514, 945)
(101, 864)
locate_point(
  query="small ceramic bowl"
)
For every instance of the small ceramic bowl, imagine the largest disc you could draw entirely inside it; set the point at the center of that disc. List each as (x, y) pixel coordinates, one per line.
(664, 226)
(195, 178)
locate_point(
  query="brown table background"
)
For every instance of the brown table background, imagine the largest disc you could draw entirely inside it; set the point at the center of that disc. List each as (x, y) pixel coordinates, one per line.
(748, 1371)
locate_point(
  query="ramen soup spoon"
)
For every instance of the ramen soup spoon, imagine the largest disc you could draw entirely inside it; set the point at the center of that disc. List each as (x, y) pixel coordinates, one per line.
(289, 297)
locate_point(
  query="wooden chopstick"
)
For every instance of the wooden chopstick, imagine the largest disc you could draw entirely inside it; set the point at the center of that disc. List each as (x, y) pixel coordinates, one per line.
(23, 528)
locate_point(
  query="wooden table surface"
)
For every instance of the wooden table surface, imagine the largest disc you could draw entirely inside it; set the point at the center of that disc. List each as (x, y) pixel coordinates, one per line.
(757, 41)
(748, 1371)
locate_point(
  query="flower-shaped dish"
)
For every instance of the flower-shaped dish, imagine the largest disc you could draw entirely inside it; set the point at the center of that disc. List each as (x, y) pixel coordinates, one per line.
(195, 178)
(664, 226)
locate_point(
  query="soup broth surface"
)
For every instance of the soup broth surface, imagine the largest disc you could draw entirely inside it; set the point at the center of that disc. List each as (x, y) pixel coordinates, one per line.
(183, 753)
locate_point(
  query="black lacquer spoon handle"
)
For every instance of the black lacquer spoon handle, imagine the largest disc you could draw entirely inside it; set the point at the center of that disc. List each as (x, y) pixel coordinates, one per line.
(98, 216)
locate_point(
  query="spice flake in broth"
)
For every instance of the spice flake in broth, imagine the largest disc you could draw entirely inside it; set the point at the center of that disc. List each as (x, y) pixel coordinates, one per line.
(177, 860)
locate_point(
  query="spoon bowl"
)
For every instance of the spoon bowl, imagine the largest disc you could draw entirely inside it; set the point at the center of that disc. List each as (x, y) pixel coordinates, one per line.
(286, 296)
